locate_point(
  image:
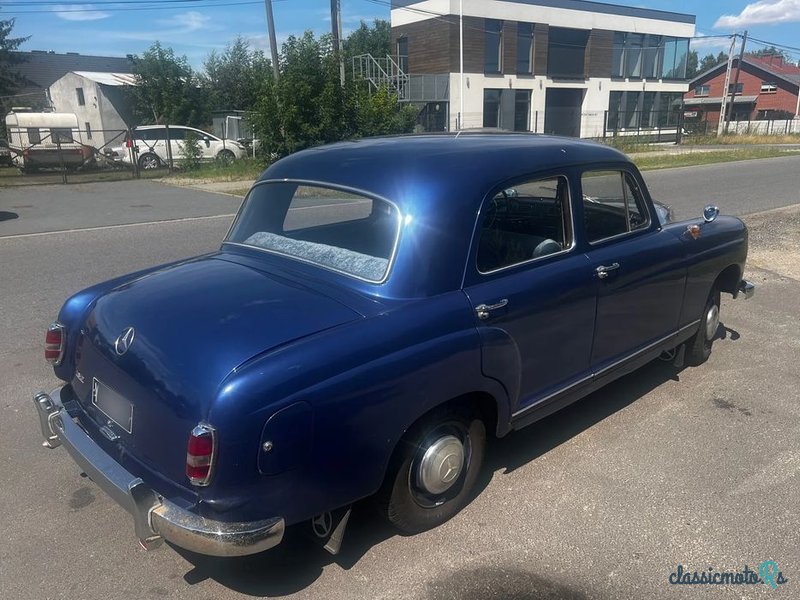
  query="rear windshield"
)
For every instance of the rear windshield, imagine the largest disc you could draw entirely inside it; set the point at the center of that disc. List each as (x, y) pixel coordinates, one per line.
(336, 229)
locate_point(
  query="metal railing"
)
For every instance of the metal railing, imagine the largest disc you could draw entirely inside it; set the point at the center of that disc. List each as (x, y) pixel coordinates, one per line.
(381, 73)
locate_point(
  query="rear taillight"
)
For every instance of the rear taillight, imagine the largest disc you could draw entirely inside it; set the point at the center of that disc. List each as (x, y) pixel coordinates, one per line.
(200, 454)
(54, 342)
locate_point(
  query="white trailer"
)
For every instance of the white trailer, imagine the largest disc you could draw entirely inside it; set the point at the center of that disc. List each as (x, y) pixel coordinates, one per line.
(45, 140)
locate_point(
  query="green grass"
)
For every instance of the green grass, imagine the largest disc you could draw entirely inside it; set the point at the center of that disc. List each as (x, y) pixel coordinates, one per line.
(244, 169)
(690, 159)
(735, 138)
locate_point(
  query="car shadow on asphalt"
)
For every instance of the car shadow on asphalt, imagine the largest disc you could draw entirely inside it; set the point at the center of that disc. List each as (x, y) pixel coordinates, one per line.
(298, 561)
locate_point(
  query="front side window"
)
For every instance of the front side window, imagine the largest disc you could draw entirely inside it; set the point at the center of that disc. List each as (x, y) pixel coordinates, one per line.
(494, 47)
(523, 223)
(339, 230)
(612, 205)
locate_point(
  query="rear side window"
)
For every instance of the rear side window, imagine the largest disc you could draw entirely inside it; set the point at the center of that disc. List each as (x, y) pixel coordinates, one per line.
(612, 205)
(524, 223)
(339, 230)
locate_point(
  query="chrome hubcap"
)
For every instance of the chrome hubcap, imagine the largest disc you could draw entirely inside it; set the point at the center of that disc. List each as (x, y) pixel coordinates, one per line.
(712, 322)
(441, 465)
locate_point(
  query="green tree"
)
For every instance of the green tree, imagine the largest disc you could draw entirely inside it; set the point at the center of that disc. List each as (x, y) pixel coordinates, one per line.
(709, 61)
(10, 78)
(166, 90)
(309, 106)
(375, 40)
(772, 51)
(233, 78)
(691, 64)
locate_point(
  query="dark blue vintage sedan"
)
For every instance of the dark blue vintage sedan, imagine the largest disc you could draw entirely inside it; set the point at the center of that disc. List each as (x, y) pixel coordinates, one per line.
(378, 309)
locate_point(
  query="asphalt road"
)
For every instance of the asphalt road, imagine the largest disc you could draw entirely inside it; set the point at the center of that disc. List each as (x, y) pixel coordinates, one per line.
(699, 467)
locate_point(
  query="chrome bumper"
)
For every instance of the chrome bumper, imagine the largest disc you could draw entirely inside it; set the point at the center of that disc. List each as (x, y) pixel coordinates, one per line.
(747, 288)
(155, 518)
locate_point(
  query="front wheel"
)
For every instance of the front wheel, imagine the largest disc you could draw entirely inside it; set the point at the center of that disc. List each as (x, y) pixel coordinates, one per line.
(698, 349)
(225, 157)
(434, 471)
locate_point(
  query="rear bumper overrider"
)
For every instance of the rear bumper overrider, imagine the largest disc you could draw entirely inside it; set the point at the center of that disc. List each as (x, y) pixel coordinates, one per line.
(155, 518)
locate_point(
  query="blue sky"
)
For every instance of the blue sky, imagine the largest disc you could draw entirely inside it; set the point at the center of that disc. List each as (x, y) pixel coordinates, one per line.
(195, 27)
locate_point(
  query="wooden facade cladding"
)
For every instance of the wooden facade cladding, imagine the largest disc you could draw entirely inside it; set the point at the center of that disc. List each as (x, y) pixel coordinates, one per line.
(433, 47)
(430, 45)
(599, 53)
(510, 48)
(541, 36)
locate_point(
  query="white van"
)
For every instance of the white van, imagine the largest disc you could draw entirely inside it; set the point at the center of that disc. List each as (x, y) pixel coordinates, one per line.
(150, 146)
(45, 140)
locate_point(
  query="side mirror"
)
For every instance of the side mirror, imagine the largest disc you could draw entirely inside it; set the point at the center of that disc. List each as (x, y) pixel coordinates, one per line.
(207, 140)
(710, 213)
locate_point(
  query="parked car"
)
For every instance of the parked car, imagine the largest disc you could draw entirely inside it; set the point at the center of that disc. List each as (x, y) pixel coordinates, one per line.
(151, 150)
(5, 154)
(377, 312)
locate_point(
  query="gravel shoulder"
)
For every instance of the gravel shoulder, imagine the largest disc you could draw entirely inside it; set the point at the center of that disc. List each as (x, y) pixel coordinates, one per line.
(775, 242)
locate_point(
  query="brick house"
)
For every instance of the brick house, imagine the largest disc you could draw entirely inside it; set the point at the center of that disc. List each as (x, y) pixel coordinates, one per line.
(568, 67)
(767, 89)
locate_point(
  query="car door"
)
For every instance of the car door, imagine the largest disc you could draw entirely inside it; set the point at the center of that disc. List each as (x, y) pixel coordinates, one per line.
(532, 292)
(639, 269)
(177, 137)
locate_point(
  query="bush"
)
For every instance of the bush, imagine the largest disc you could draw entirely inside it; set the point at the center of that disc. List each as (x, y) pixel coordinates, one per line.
(192, 153)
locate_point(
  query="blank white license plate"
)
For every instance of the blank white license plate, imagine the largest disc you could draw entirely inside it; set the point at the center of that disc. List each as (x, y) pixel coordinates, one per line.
(113, 405)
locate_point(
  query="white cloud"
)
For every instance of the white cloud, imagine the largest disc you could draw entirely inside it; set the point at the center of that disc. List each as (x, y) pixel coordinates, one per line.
(187, 22)
(79, 12)
(703, 43)
(174, 27)
(763, 12)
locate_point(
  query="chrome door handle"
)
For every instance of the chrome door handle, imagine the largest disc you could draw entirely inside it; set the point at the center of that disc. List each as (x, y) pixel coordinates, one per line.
(484, 310)
(603, 271)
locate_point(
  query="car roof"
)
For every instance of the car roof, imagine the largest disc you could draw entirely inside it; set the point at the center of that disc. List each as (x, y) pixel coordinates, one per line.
(408, 169)
(438, 183)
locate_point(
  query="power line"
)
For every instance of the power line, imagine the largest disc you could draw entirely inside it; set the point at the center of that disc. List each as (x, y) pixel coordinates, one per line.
(172, 5)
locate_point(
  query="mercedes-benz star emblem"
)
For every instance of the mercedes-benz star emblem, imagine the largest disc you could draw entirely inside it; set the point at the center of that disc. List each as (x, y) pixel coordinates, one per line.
(322, 524)
(124, 341)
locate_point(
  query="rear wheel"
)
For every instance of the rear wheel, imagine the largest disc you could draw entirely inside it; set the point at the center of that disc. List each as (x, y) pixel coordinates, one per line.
(434, 470)
(149, 161)
(698, 349)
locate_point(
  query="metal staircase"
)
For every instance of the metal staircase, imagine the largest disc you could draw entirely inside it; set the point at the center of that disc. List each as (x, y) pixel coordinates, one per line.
(382, 73)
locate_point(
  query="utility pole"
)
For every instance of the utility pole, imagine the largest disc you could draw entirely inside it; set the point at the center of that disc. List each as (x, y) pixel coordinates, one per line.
(461, 59)
(736, 81)
(336, 29)
(273, 43)
(724, 102)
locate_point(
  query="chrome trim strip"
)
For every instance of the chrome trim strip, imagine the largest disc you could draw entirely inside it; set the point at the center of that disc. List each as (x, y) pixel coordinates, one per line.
(604, 369)
(646, 348)
(551, 395)
(333, 186)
